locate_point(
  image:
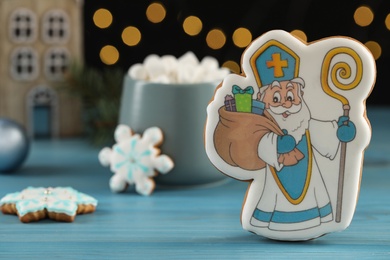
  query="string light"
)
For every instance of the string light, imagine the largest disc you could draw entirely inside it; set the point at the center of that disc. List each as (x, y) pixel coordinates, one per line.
(215, 38)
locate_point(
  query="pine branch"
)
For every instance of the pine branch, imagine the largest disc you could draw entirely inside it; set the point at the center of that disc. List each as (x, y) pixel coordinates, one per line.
(100, 93)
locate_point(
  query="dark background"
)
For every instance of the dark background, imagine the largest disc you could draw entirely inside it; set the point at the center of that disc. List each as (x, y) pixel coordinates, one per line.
(318, 19)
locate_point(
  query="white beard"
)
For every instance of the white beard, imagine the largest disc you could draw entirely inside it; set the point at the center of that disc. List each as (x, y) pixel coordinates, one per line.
(296, 123)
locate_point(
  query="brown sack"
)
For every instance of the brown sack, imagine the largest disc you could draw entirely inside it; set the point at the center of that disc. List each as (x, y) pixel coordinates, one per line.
(237, 137)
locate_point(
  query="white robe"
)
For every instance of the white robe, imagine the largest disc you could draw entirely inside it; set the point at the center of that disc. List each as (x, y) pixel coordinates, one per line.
(277, 210)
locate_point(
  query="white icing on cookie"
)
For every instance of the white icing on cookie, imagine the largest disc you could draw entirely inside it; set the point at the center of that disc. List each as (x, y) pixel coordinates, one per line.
(60, 200)
(135, 160)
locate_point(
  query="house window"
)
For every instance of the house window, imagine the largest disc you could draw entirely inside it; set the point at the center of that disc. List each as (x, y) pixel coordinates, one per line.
(22, 26)
(55, 27)
(56, 63)
(24, 64)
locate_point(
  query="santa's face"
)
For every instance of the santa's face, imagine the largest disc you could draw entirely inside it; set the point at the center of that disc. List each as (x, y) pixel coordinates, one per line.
(283, 98)
(285, 103)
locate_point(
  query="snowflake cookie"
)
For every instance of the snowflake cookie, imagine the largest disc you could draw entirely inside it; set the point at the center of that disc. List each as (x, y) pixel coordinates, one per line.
(60, 203)
(135, 159)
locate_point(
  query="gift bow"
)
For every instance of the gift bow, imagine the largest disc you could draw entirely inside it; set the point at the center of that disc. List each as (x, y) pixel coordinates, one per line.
(238, 90)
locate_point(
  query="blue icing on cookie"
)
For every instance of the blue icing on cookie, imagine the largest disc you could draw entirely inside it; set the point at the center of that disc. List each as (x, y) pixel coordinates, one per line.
(63, 206)
(10, 198)
(60, 200)
(29, 205)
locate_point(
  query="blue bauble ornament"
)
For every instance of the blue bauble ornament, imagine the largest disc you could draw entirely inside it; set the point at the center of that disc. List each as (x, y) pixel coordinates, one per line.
(14, 145)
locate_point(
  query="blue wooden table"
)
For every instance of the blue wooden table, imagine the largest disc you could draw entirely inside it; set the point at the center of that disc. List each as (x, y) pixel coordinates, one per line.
(181, 223)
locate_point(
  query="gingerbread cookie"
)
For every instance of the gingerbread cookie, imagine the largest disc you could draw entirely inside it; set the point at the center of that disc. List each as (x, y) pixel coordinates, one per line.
(294, 125)
(60, 204)
(135, 160)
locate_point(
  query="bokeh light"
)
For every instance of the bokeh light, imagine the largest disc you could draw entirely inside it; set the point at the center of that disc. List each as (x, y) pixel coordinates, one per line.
(192, 25)
(131, 36)
(300, 35)
(232, 65)
(387, 22)
(172, 28)
(375, 49)
(102, 18)
(363, 16)
(216, 39)
(155, 12)
(109, 55)
(242, 37)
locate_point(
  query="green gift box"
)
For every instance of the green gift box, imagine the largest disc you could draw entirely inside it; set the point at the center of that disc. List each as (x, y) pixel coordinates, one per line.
(243, 98)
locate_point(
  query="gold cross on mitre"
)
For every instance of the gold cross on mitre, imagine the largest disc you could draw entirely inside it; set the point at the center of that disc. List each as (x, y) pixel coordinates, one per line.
(274, 61)
(278, 64)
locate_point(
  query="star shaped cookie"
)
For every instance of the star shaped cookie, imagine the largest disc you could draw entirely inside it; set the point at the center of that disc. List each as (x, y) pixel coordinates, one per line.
(36, 203)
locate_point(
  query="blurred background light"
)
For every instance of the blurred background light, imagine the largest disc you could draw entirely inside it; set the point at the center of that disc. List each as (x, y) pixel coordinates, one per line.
(300, 35)
(155, 12)
(131, 36)
(216, 39)
(242, 37)
(109, 54)
(363, 16)
(192, 25)
(102, 18)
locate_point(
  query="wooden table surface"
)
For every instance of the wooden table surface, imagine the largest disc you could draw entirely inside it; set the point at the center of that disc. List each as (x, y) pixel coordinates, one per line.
(181, 223)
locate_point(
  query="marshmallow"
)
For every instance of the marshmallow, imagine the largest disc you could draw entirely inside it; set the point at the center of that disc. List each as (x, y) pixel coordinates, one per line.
(209, 63)
(154, 66)
(170, 63)
(189, 58)
(186, 69)
(138, 71)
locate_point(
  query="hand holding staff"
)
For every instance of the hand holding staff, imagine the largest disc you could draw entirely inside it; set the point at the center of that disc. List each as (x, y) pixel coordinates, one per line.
(343, 70)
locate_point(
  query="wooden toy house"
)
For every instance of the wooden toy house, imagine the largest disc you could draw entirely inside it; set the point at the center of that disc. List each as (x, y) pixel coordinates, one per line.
(38, 41)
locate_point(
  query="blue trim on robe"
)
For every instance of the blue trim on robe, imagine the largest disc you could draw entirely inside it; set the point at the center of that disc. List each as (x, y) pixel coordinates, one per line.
(293, 178)
(294, 216)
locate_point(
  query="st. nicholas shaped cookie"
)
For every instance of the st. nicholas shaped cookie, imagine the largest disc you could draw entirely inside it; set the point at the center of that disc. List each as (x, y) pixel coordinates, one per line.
(294, 126)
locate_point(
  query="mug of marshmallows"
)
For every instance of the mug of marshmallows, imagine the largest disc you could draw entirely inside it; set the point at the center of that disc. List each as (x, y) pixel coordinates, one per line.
(172, 94)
